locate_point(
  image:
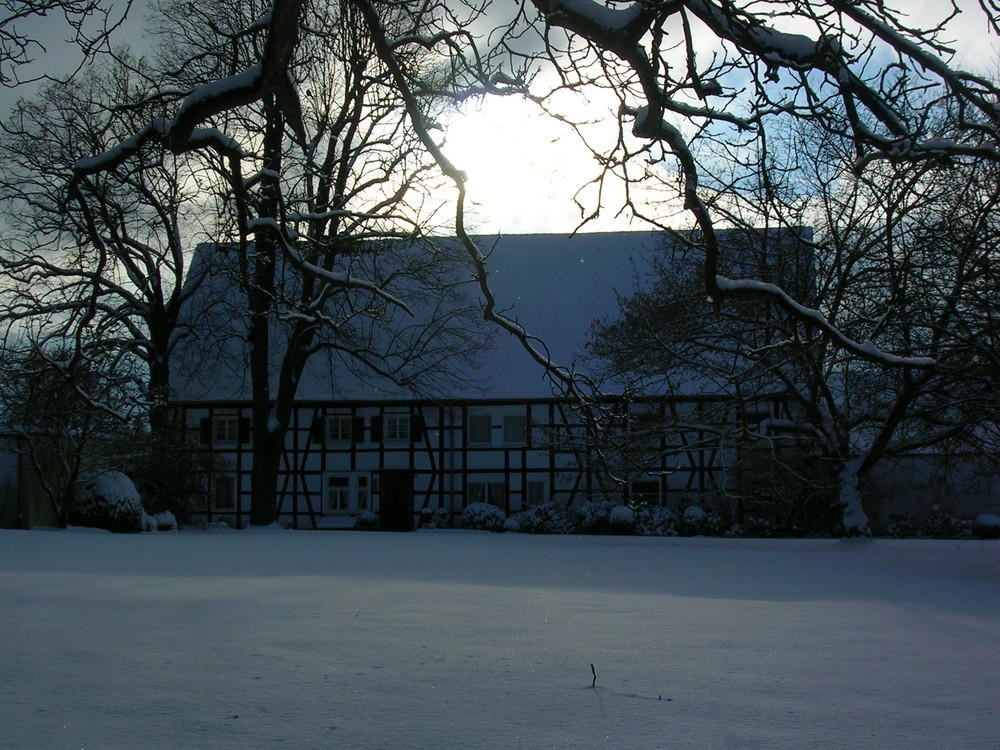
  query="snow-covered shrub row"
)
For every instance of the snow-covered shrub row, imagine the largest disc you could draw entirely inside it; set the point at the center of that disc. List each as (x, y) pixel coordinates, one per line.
(942, 526)
(938, 526)
(483, 517)
(108, 501)
(653, 520)
(596, 518)
(543, 519)
(698, 522)
(435, 518)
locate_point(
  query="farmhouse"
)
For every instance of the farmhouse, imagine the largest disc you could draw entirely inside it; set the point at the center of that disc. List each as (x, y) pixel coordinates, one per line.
(364, 447)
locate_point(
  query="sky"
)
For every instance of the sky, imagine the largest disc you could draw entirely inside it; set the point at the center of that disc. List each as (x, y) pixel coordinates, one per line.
(520, 163)
(523, 168)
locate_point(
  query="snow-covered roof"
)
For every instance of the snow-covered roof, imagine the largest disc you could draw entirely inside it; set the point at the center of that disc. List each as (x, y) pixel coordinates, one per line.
(555, 286)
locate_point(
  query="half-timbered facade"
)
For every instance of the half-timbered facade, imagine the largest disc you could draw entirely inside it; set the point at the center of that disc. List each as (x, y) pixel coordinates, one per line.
(398, 459)
(362, 450)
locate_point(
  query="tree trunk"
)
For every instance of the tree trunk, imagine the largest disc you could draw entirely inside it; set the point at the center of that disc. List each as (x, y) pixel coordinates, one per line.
(855, 518)
(158, 393)
(260, 294)
(264, 476)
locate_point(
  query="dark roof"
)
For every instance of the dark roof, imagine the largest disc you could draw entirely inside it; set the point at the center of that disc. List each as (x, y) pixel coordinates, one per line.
(555, 286)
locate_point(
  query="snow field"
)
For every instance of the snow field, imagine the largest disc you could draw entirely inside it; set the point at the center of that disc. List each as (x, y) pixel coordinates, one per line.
(467, 639)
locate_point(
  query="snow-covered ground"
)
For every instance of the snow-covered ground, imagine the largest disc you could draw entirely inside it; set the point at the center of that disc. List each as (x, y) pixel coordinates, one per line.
(268, 639)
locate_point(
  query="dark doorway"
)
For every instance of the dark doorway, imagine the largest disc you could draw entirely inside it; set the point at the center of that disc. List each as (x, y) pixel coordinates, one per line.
(396, 500)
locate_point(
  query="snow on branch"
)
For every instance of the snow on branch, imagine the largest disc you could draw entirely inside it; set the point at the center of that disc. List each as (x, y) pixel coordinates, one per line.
(341, 279)
(625, 33)
(157, 131)
(865, 349)
(597, 15)
(535, 348)
(829, 84)
(269, 76)
(957, 82)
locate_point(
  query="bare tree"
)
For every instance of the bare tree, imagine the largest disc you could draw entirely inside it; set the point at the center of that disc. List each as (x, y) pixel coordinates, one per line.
(677, 72)
(678, 75)
(68, 412)
(103, 267)
(331, 182)
(89, 23)
(904, 255)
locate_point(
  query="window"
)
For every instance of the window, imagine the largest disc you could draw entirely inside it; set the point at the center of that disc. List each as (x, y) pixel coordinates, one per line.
(348, 493)
(534, 494)
(515, 429)
(486, 492)
(338, 493)
(362, 493)
(339, 428)
(480, 429)
(397, 426)
(226, 429)
(224, 492)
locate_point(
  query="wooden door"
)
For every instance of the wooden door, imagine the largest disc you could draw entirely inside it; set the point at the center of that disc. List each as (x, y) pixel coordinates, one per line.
(396, 500)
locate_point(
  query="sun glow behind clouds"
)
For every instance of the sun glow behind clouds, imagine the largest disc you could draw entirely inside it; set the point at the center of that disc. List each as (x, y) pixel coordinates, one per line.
(523, 170)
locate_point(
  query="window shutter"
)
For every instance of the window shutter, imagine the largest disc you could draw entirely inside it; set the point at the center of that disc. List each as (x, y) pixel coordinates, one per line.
(377, 429)
(317, 430)
(416, 426)
(205, 431)
(244, 430)
(358, 429)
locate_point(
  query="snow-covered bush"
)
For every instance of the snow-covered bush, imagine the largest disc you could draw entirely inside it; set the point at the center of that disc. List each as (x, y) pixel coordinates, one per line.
(165, 521)
(694, 515)
(588, 518)
(698, 522)
(986, 526)
(542, 519)
(943, 526)
(622, 520)
(169, 470)
(366, 521)
(756, 526)
(483, 517)
(435, 518)
(592, 518)
(936, 526)
(109, 501)
(901, 526)
(532, 520)
(655, 520)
